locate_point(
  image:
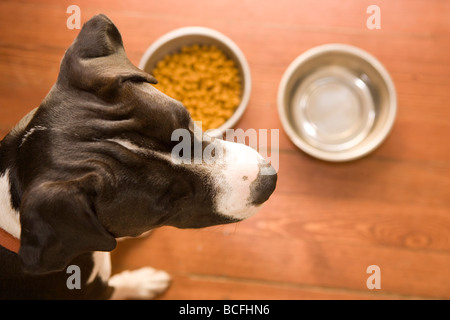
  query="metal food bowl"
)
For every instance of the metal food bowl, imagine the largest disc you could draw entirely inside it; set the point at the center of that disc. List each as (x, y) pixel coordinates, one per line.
(337, 102)
(173, 42)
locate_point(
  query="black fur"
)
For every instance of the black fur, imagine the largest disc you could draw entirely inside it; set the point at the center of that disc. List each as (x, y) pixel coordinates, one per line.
(16, 284)
(76, 191)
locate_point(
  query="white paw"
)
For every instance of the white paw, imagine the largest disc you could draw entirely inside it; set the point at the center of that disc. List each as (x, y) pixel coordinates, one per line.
(144, 283)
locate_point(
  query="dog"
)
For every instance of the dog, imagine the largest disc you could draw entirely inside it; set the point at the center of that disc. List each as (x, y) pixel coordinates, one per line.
(93, 163)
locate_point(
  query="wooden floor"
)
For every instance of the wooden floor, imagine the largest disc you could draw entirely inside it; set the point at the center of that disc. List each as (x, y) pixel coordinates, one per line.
(326, 223)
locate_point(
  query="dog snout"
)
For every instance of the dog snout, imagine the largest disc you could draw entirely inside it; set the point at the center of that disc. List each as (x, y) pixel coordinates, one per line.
(263, 187)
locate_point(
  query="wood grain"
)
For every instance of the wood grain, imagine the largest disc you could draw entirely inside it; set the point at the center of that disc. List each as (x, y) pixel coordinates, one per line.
(326, 222)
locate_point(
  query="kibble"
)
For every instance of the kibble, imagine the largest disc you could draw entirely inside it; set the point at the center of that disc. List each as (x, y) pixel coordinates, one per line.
(205, 80)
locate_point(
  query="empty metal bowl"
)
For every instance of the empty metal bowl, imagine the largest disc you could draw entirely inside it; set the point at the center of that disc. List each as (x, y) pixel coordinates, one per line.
(173, 42)
(336, 102)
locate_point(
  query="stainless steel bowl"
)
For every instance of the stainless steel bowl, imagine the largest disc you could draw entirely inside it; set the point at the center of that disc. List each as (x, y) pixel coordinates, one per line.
(337, 102)
(176, 39)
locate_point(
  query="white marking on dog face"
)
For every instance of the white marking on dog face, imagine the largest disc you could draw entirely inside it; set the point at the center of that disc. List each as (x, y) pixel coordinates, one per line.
(134, 148)
(127, 144)
(232, 174)
(9, 218)
(234, 178)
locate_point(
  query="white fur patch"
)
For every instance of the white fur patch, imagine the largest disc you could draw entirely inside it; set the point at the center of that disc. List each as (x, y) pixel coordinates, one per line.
(144, 283)
(232, 175)
(240, 170)
(102, 266)
(134, 148)
(128, 145)
(9, 218)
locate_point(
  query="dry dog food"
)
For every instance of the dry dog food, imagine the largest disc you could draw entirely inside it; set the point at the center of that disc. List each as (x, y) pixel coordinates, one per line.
(204, 80)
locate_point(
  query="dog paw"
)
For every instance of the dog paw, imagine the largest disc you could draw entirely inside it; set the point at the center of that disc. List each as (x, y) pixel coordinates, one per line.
(145, 283)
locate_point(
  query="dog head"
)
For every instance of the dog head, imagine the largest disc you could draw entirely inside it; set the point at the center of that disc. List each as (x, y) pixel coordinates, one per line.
(95, 161)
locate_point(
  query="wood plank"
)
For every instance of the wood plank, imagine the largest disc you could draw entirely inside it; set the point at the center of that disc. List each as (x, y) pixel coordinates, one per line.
(401, 182)
(404, 16)
(341, 221)
(195, 287)
(21, 64)
(284, 260)
(326, 222)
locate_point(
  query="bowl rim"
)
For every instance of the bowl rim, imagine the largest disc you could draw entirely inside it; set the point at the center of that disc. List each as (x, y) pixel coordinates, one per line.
(208, 32)
(353, 153)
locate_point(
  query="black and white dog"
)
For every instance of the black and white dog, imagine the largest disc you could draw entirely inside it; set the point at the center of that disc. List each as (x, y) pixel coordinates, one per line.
(94, 163)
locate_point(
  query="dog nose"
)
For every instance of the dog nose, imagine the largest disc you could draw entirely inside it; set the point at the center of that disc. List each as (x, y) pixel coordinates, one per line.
(263, 187)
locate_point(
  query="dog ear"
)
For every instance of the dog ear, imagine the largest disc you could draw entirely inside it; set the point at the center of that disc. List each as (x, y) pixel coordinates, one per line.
(99, 37)
(58, 223)
(96, 60)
